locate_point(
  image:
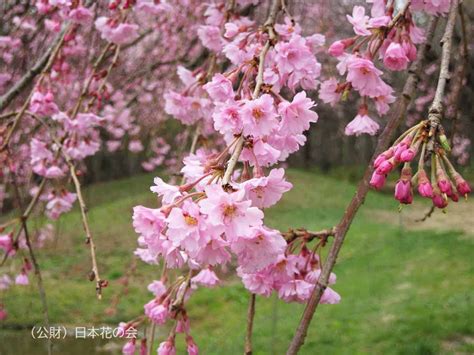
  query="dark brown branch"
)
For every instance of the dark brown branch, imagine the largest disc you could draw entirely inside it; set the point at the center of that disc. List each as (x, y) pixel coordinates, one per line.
(39, 66)
(359, 197)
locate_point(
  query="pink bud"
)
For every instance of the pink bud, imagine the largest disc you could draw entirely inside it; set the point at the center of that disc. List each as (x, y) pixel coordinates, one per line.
(336, 49)
(445, 186)
(403, 192)
(385, 167)
(424, 185)
(407, 155)
(377, 181)
(439, 201)
(462, 185)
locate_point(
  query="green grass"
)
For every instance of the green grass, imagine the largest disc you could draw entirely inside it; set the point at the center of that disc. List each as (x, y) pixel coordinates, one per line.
(403, 291)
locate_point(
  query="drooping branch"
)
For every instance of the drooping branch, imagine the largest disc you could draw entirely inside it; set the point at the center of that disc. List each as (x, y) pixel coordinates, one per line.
(35, 70)
(342, 228)
(36, 267)
(436, 108)
(268, 26)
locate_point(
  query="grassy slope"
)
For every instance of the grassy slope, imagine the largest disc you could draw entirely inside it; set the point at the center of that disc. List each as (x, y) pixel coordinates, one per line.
(402, 291)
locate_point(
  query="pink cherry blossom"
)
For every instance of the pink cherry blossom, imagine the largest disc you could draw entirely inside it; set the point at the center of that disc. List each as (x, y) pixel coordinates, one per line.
(365, 77)
(230, 212)
(157, 312)
(206, 278)
(259, 116)
(297, 115)
(329, 91)
(22, 279)
(167, 347)
(220, 88)
(359, 21)
(267, 190)
(168, 192)
(361, 124)
(260, 248)
(395, 57)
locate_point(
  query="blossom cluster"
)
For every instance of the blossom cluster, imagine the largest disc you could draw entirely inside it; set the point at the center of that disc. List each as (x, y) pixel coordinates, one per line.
(386, 35)
(430, 142)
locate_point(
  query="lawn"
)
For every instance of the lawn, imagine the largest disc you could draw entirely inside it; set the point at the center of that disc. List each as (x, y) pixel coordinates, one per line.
(406, 289)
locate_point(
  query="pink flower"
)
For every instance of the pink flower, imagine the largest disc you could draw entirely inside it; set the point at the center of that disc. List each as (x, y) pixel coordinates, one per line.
(81, 15)
(206, 278)
(129, 347)
(330, 297)
(6, 243)
(395, 57)
(220, 88)
(167, 347)
(5, 282)
(432, 7)
(191, 346)
(59, 202)
(3, 313)
(359, 21)
(122, 33)
(210, 37)
(168, 192)
(43, 104)
(266, 191)
(260, 283)
(157, 312)
(259, 116)
(185, 226)
(22, 279)
(361, 124)
(382, 102)
(377, 181)
(259, 249)
(365, 77)
(297, 115)
(295, 291)
(229, 212)
(329, 91)
(158, 288)
(147, 221)
(227, 118)
(135, 146)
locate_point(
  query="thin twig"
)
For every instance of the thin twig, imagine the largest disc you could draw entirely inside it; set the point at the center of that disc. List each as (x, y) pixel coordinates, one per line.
(37, 270)
(268, 26)
(33, 72)
(359, 197)
(250, 318)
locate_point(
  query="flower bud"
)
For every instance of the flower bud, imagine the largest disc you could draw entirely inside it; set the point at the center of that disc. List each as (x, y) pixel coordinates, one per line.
(403, 187)
(462, 185)
(438, 200)
(424, 185)
(336, 49)
(377, 181)
(386, 167)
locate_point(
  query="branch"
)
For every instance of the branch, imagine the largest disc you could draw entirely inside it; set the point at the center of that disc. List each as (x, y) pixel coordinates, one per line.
(268, 25)
(308, 236)
(36, 266)
(436, 107)
(250, 317)
(351, 211)
(33, 72)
